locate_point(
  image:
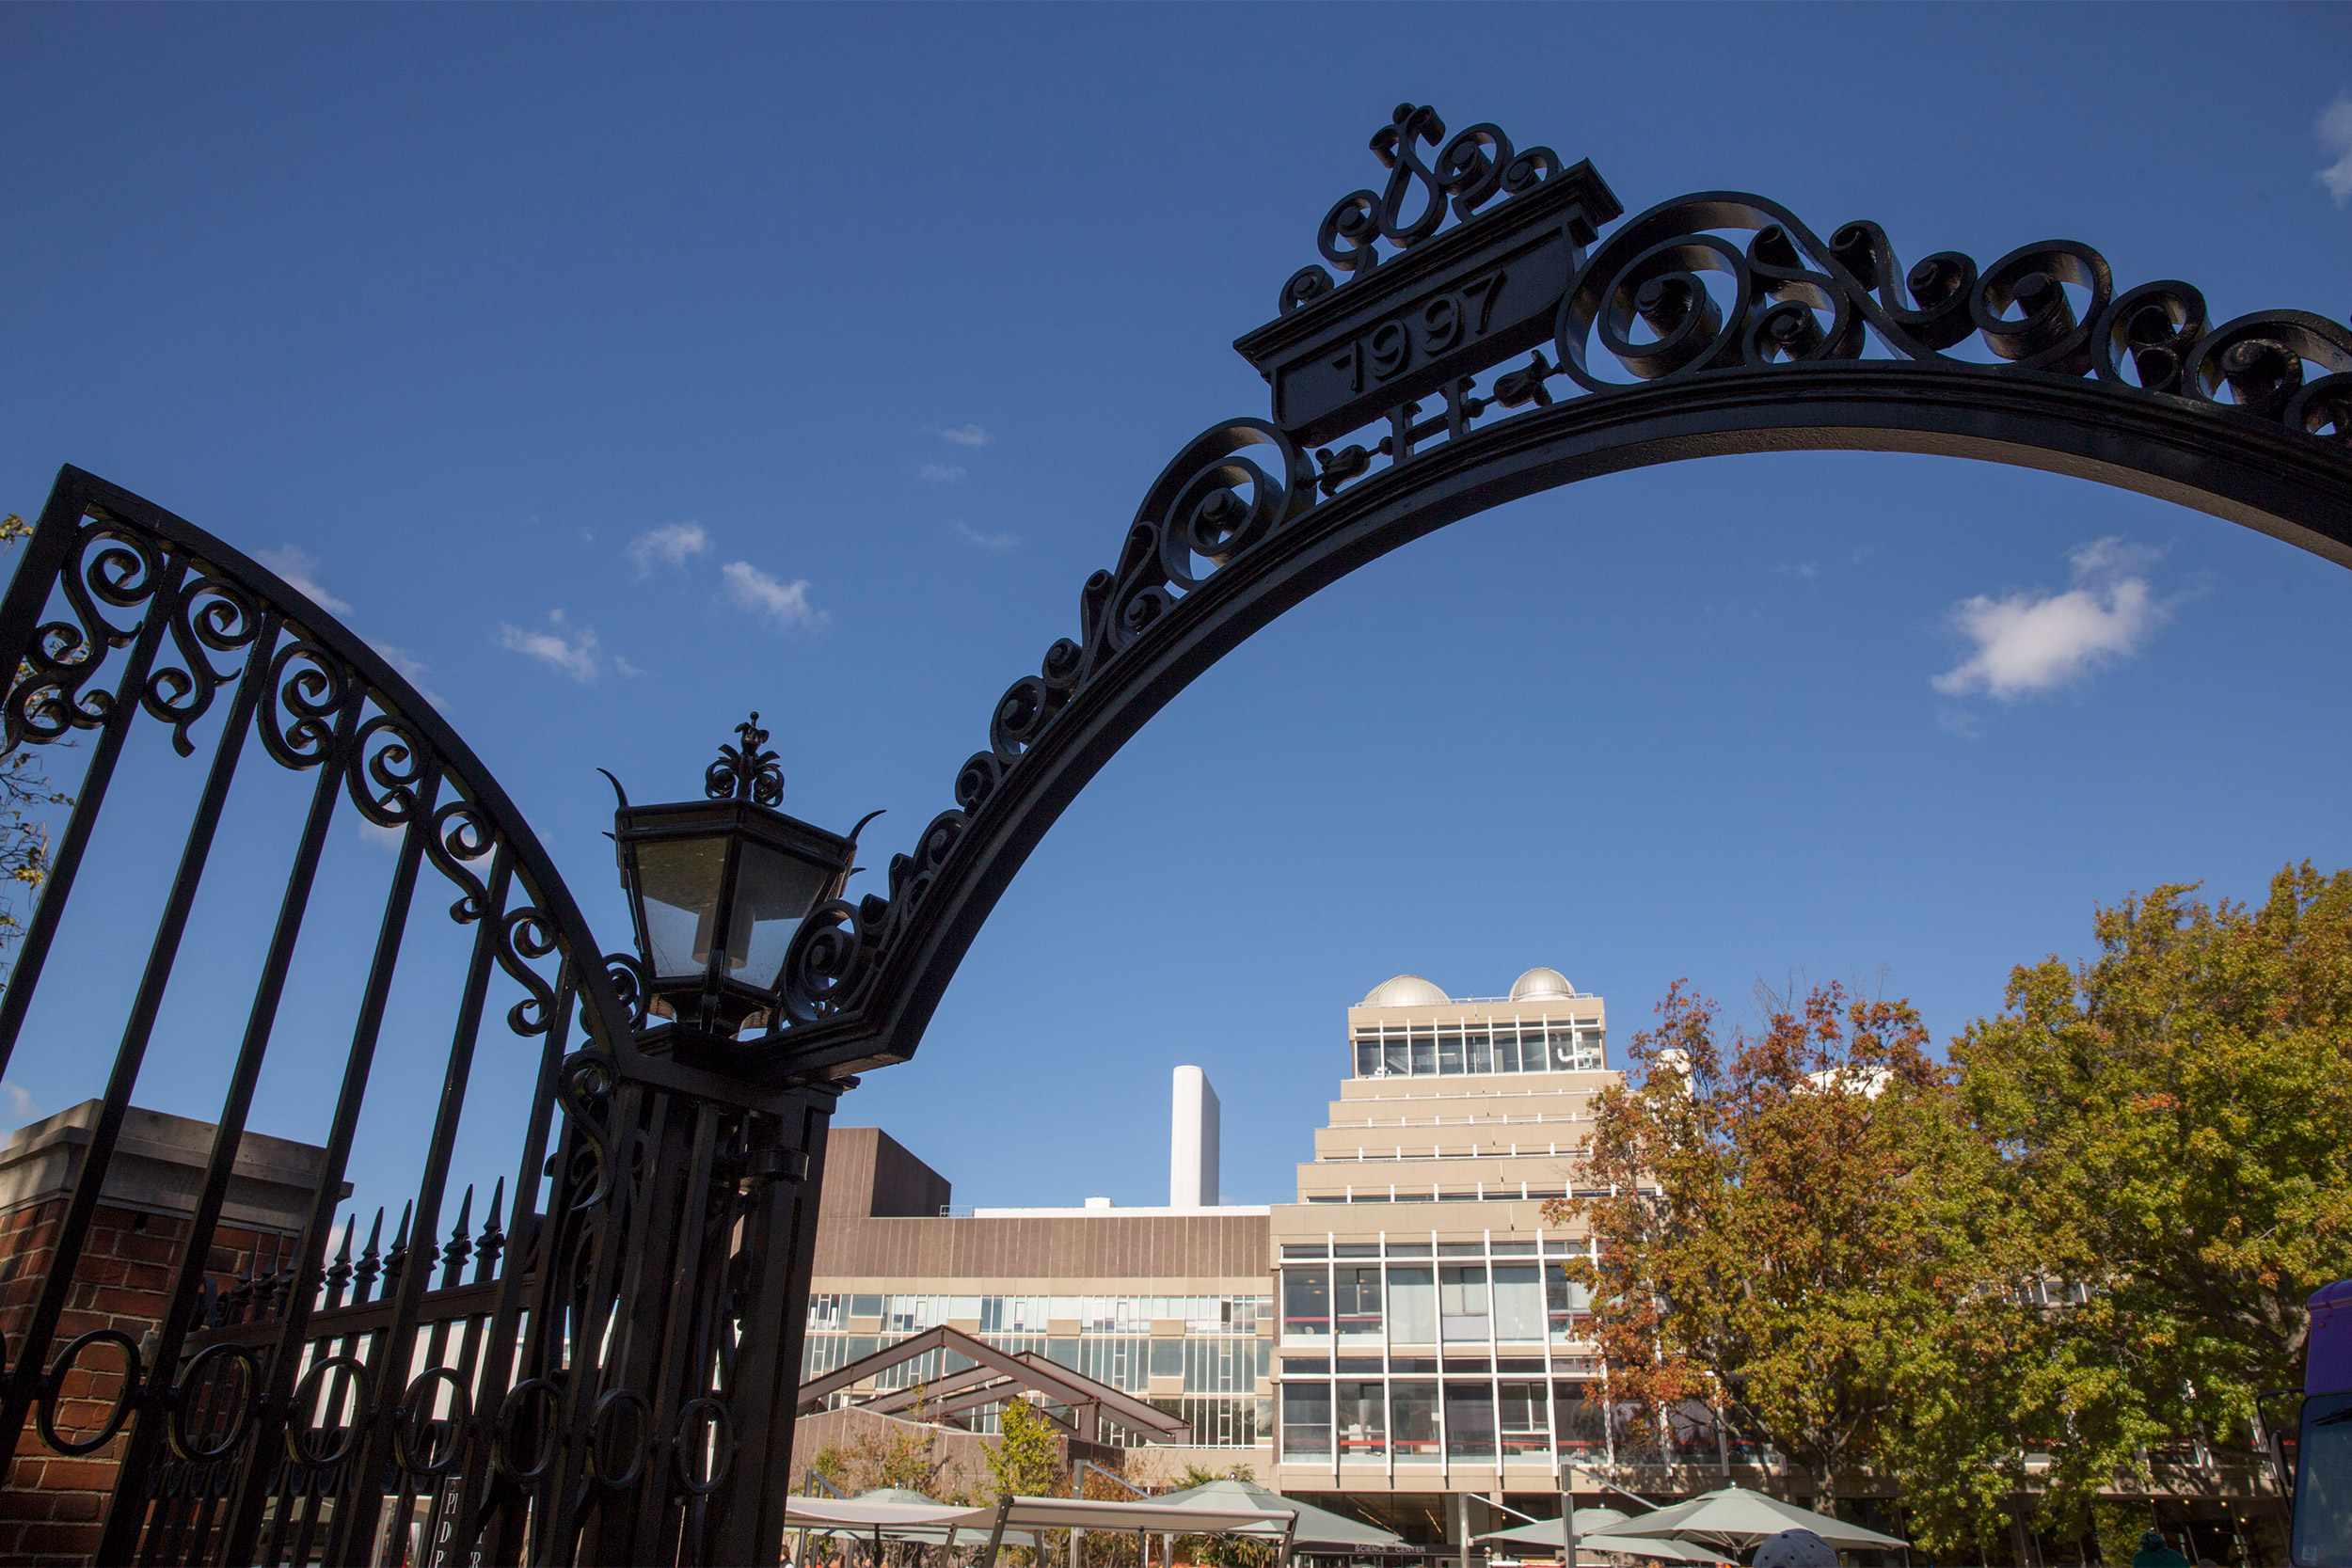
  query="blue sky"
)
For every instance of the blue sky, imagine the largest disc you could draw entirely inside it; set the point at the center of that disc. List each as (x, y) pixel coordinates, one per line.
(624, 368)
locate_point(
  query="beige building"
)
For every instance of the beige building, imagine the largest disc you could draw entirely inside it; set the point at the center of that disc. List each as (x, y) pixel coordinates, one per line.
(1393, 1336)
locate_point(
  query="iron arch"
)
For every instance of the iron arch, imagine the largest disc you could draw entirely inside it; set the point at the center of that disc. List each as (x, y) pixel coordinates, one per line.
(1729, 327)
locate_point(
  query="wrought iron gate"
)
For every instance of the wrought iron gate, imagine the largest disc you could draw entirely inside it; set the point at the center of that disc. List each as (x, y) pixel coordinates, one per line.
(613, 1378)
(614, 1381)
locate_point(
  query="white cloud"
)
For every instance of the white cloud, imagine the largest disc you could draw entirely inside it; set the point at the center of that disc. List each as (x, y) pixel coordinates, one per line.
(572, 651)
(2334, 131)
(624, 668)
(967, 435)
(16, 1101)
(970, 535)
(380, 836)
(939, 473)
(785, 604)
(300, 570)
(2031, 643)
(671, 545)
(1801, 569)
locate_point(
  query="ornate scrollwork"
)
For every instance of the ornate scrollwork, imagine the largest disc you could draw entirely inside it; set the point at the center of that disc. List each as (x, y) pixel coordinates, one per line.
(390, 765)
(462, 834)
(210, 614)
(745, 772)
(1475, 166)
(107, 564)
(525, 934)
(584, 1083)
(307, 688)
(1644, 301)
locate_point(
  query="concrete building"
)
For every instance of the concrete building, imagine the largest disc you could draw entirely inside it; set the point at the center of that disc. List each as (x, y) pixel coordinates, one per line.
(1393, 1338)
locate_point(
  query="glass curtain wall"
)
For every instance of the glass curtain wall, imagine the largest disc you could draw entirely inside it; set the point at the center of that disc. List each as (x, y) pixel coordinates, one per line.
(1422, 1050)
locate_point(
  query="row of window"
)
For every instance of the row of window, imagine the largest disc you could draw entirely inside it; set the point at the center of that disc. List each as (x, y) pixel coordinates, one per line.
(911, 1314)
(1216, 1422)
(1452, 1050)
(1421, 1420)
(1419, 1305)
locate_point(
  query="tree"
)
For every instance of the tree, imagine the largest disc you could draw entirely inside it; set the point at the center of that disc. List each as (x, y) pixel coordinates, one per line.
(1782, 1230)
(23, 837)
(2170, 1121)
(1026, 1459)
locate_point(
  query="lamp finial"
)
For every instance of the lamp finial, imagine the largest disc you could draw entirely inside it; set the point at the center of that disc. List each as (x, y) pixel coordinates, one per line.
(745, 772)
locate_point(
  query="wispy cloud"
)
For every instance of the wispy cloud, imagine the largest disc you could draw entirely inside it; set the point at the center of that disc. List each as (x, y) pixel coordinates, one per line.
(2031, 643)
(300, 568)
(380, 836)
(970, 535)
(16, 1101)
(411, 668)
(940, 473)
(783, 605)
(2334, 131)
(1799, 569)
(967, 435)
(571, 651)
(671, 545)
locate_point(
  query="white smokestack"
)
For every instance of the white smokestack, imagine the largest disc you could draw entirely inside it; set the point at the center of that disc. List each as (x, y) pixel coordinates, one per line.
(1192, 1143)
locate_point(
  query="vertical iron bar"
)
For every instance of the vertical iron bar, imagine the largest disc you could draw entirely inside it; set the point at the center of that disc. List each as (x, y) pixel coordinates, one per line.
(244, 1517)
(749, 1526)
(32, 952)
(498, 1347)
(400, 1340)
(122, 1529)
(675, 1378)
(163, 952)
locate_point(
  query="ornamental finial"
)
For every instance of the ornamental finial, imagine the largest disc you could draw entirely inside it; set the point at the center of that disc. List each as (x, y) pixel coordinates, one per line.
(745, 772)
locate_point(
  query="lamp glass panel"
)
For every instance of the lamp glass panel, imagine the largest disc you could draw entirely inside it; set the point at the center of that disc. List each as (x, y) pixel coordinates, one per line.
(773, 892)
(678, 881)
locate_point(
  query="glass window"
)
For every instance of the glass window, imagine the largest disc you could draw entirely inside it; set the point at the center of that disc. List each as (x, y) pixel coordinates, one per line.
(1562, 1049)
(1412, 1306)
(1691, 1428)
(1567, 1304)
(1469, 1420)
(1367, 1055)
(1394, 1060)
(1590, 1044)
(1167, 1358)
(1450, 1053)
(1425, 1054)
(1506, 1048)
(866, 1307)
(1462, 1302)
(1306, 1302)
(1356, 1301)
(1580, 1419)
(1413, 1420)
(1519, 1303)
(1522, 1421)
(1361, 1419)
(1306, 1420)
(1479, 1049)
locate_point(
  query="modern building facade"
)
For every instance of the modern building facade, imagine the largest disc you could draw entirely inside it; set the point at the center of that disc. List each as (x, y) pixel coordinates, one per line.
(1400, 1335)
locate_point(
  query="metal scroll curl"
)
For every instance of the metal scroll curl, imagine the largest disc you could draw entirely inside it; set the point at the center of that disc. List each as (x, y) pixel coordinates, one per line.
(107, 564)
(1644, 301)
(210, 614)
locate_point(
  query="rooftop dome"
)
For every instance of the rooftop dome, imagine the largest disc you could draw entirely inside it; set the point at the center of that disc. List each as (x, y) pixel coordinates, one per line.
(1540, 982)
(1405, 991)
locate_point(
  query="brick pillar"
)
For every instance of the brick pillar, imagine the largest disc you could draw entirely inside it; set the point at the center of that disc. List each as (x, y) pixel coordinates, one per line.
(52, 1503)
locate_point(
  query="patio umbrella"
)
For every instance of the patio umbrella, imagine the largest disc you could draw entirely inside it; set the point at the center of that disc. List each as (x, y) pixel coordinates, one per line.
(1546, 1532)
(1739, 1518)
(1656, 1549)
(1317, 1527)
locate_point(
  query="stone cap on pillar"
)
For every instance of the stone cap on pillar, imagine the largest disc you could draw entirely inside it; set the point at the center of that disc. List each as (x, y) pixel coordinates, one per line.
(158, 1168)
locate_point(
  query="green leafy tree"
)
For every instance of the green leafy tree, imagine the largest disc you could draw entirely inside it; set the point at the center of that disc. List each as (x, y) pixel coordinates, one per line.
(1787, 1231)
(2169, 1117)
(1026, 1459)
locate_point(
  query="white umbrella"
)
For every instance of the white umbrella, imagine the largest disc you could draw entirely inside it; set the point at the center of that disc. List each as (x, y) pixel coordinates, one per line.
(1740, 1518)
(1658, 1550)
